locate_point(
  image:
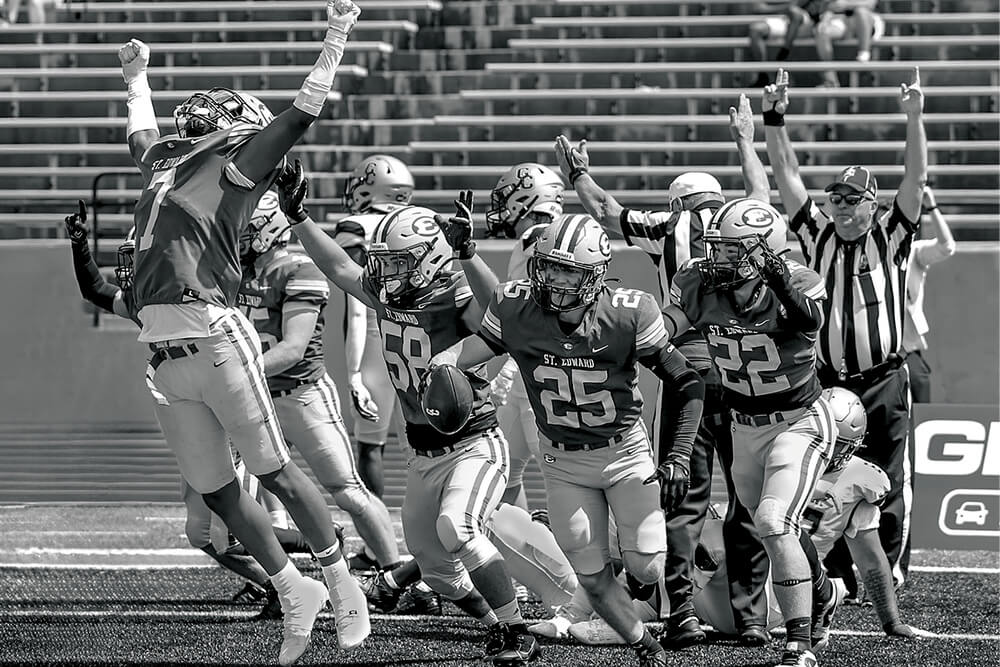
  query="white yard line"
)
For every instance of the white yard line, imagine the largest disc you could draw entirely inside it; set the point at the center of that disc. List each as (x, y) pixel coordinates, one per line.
(955, 570)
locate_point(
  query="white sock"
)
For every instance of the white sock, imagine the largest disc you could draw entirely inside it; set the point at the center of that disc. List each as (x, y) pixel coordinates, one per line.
(864, 56)
(336, 574)
(279, 518)
(286, 579)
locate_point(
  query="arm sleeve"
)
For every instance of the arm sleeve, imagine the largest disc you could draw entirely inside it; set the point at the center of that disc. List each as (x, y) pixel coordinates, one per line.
(93, 287)
(802, 310)
(672, 367)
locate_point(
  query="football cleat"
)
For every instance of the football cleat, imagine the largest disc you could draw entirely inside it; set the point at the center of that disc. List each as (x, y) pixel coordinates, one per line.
(416, 600)
(361, 561)
(271, 611)
(350, 607)
(300, 615)
(682, 632)
(381, 595)
(250, 592)
(823, 615)
(755, 635)
(556, 627)
(595, 633)
(798, 659)
(494, 642)
(652, 657)
(518, 647)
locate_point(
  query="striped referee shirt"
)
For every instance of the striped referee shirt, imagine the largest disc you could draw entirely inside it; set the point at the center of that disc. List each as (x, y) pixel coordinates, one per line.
(866, 282)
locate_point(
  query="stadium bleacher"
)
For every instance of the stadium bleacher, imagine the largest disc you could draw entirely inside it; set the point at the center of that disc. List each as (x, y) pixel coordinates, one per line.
(462, 89)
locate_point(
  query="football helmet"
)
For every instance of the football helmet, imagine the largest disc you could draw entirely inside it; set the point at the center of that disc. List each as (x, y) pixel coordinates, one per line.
(266, 228)
(378, 179)
(731, 236)
(569, 263)
(125, 269)
(852, 420)
(694, 190)
(406, 253)
(218, 109)
(524, 188)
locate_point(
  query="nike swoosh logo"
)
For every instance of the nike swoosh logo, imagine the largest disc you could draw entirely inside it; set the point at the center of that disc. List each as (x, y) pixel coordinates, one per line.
(599, 349)
(219, 363)
(762, 323)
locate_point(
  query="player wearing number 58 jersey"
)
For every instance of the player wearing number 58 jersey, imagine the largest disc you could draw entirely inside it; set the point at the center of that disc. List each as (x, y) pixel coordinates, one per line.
(760, 314)
(578, 345)
(454, 482)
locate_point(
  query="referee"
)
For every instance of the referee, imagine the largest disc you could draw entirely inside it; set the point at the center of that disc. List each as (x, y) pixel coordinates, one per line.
(671, 238)
(863, 258)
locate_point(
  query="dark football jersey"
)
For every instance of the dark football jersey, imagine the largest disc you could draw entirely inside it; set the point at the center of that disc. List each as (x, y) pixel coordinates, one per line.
(584, 387)
(188, 219)
(128, 298)
(765, 365)
(411, 336)
(291, 278)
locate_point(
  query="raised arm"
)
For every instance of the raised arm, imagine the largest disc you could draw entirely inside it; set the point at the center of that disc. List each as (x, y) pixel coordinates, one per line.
(267, 148)
(93, 287)
(458, 231)
(742, 130)
(911, 188)
(784, 164)
(574, 162)
(944, 246)
(331, 259)
(141, 127)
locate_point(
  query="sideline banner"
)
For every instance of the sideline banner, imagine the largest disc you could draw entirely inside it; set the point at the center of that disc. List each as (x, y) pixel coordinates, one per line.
(956, 496)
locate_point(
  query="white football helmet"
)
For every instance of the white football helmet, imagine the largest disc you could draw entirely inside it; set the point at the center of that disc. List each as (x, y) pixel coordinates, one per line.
(378, 179)
(734, 231)
(569, 263)
(268, 227)
(852, 421)
(524, 188)
(406, 253)
(125, 269)
(218, 109)
(694, 190)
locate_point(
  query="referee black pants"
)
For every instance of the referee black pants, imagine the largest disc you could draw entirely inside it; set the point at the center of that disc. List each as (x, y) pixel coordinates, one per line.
(887, 445)
(746, 560)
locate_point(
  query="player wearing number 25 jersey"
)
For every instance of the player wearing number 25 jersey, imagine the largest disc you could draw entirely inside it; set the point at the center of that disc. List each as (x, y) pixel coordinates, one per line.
(577, 345)
(760, 314)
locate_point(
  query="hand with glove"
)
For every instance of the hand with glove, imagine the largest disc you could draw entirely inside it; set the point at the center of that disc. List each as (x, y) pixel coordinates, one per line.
(342, 15)
(573, 160)
(674, 480)
(366, 408)
(770, 266)
(293, 187)
(76, 225)
(134, 57)
(501, 384)
(458, 228)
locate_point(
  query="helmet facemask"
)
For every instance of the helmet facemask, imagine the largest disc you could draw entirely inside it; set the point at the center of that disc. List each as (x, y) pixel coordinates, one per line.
(560, 285)
(727, 263)
(524, 189)
(217, 109)
(406, 254)
(125, 269)
(396, 273)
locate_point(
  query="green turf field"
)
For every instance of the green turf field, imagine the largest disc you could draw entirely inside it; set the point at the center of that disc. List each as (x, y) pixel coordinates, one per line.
(103, 585)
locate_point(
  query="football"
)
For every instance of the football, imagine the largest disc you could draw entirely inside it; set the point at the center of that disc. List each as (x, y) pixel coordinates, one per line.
(447, 399)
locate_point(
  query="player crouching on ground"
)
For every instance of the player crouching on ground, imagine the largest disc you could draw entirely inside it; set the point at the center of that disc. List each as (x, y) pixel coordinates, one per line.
(577, 344)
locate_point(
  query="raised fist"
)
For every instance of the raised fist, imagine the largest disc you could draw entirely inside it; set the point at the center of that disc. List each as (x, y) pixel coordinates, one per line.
(134, 56)
(342, 15)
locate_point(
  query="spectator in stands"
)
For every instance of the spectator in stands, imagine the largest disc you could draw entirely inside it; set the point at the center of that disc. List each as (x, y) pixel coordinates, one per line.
(796, 16)
(36, 11)
(845, 19)
(863, 259)
(671, 238)
(923, 255)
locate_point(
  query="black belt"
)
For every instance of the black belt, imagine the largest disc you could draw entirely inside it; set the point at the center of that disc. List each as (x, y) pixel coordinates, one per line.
(163, 352)
(434, 453)
(278, 393)
(769, 419)
(873, 374)
(587, 446)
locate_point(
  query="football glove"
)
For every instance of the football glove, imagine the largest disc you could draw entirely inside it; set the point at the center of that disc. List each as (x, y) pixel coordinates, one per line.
(771, 267)
(134, 57)
(293, 187)
(573, 161)
(674, 481)
(362, 399)
(76, 225)
(342, 15)
(458, 228)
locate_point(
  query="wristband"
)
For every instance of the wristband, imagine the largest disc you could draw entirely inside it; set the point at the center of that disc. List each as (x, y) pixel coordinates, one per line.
(140, 106)
(773, 119)
(315, 89)
(576, 173)
(295, 220)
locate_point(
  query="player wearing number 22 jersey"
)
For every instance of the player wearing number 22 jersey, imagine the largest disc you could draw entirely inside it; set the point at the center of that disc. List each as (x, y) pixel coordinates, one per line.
(760, 314)
(577, 345)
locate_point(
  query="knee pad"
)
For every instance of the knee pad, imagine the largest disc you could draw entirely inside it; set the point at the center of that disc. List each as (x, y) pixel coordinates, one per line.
(452, 585)
(477, 552)
(771, 519)
(645, 568)
(353, 498)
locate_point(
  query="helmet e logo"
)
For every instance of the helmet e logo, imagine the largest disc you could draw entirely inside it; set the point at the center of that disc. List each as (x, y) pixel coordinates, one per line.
(758, 218)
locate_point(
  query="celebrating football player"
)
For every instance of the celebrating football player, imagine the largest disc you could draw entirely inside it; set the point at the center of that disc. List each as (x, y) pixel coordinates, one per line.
(670, 238)
(284, 295)
(761, 313)
(376, 185)
(206, 374)
(578, 345)
(454, 481)
(527, 197)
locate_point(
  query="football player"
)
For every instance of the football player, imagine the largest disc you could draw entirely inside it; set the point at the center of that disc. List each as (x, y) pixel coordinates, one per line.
(376, 185)
(206, 375)
(526, 198)
(670, 238)
(578, 345)
(283, 294)
(761, 314)
(454, 482)
(199, 525)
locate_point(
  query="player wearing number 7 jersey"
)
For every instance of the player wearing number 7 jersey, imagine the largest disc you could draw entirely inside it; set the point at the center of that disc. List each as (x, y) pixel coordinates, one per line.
(578, 345)
(760, 314)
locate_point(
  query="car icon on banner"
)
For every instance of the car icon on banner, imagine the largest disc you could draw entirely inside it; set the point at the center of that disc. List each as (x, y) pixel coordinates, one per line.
(971, 512)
